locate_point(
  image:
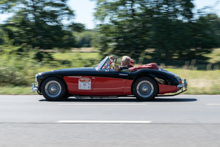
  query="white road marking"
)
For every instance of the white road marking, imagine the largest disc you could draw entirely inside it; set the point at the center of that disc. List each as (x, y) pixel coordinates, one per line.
(104, 121)
(213, 104)
(102, 104)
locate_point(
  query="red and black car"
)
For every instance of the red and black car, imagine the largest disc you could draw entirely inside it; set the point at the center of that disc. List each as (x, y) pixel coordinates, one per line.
(144, 84)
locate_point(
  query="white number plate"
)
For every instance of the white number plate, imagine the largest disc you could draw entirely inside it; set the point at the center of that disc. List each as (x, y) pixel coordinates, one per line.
(84, 83)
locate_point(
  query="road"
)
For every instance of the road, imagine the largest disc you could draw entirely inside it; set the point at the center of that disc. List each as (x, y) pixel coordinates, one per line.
(180, 121)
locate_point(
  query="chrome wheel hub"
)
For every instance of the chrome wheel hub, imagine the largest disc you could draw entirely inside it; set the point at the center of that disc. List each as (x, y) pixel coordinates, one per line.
(145, 89)
(53, 89)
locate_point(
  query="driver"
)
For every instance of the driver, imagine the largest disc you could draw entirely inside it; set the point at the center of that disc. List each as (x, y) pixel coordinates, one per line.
(126, 63)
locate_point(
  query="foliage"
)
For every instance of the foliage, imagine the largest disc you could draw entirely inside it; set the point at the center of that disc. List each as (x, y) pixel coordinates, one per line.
(40, 23)
(84, 39)
(1, 36)
(14, 67)
(17, 71)
(213, 21)
(168, 26)
(19, 68)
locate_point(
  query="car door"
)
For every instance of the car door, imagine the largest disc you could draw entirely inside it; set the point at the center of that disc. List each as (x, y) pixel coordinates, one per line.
(82, 85)
(110, 82)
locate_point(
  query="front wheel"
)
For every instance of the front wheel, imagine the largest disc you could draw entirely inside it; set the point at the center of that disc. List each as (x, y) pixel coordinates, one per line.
(53, 89)
(145, 88)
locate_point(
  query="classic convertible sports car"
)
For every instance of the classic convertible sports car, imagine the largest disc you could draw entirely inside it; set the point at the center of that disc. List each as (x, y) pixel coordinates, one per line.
(144, 84)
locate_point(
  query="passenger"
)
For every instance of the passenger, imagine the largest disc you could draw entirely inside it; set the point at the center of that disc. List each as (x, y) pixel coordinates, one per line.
(126, 63)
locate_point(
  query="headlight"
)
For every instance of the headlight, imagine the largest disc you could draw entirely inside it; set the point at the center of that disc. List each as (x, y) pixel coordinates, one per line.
(37, 76)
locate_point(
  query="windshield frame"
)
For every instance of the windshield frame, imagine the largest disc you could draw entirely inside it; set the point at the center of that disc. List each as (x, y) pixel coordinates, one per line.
(102, 63)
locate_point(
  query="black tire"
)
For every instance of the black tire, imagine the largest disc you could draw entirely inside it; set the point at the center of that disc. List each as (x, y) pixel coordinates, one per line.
(53, 89)
(145, 88)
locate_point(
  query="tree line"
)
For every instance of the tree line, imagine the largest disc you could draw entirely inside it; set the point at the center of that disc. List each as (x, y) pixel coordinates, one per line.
(168, 26)
(162, 29)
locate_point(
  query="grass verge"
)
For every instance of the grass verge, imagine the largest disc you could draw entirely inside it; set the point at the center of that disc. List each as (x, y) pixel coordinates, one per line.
(12, 90)
(200, 81)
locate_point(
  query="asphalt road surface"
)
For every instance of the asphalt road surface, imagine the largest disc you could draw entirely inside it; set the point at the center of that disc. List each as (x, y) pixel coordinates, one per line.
(180, 121)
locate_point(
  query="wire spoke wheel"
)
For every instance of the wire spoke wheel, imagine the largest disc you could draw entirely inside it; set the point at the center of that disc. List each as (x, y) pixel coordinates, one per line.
(53, 88)
(145, 88)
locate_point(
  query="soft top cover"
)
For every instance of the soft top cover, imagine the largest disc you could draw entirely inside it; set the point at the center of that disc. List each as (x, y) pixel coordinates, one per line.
(145, 66)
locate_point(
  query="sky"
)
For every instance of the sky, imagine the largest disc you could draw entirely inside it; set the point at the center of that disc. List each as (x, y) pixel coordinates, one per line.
(84, 10)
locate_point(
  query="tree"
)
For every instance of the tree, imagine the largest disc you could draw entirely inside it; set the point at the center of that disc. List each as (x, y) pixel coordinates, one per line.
(1, 36)
(167, 26)
(214, 25)
(204, 37)
(126, 32)
(134, 26)
(84, 39)
(39, 23)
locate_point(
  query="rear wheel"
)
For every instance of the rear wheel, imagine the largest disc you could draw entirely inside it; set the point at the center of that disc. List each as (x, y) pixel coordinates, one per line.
(53, 89)
(145, 88)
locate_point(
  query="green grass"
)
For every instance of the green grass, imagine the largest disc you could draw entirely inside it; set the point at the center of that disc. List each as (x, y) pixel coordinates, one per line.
(214, 56)
(73, 56)
(16, 90)
(200, 81)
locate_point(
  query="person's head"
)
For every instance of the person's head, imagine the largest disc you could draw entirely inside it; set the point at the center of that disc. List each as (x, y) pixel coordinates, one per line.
(126, 60)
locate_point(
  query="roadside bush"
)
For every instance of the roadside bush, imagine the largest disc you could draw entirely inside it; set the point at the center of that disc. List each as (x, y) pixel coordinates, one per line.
(16, 69)
(40, 56)
(20, 68)
(12, 76)
(84, 39)
(90, 62)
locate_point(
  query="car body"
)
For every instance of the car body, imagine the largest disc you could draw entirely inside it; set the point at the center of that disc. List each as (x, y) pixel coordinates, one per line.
(145, 84)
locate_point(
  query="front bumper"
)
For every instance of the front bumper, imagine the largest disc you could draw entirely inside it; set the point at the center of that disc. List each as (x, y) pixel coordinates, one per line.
(34, 88)
(182, 87)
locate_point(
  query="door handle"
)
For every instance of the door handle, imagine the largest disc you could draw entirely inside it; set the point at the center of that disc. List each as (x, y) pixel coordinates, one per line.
(123, 74)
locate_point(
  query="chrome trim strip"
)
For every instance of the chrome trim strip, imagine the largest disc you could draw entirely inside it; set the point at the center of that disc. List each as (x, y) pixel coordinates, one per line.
(123, 74)
(74, 76)
(163, 95)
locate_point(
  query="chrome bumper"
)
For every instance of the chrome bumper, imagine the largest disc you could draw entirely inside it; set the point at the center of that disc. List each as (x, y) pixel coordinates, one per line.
(180, 86)
(34, 88)
(183, 85)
